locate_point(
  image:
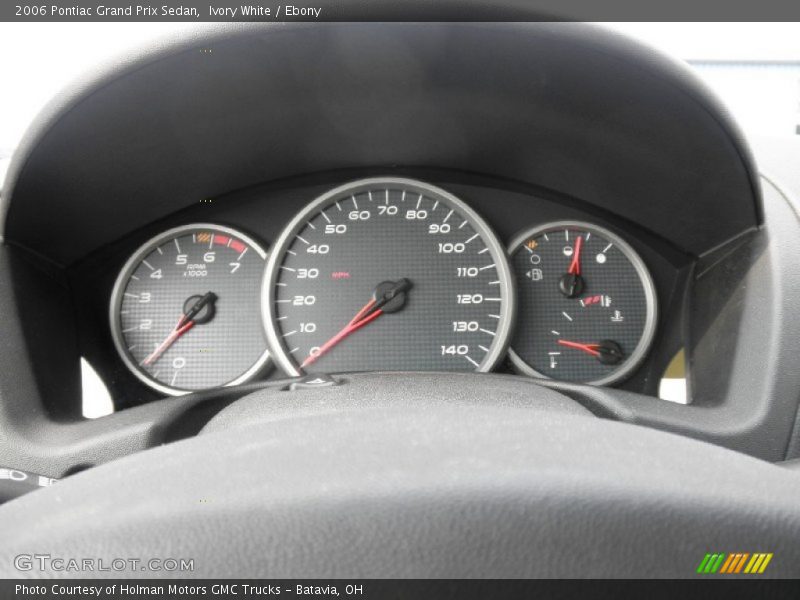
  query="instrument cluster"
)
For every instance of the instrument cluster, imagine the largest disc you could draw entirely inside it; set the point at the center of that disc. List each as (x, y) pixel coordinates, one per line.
(382, 274)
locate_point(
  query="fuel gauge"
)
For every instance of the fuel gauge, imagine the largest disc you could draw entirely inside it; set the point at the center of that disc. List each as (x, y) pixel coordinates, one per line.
(586, 304)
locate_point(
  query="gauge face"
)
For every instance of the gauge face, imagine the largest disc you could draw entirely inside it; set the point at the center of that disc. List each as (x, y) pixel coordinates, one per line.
(387, 274)
(186, 310)
(586, 304)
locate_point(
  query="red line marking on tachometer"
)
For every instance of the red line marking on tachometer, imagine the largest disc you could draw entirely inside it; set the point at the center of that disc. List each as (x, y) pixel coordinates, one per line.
(238, 246)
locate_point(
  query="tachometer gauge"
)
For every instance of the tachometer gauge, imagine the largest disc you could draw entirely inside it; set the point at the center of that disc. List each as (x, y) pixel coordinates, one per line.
(387, 274)
(186, 309)
(586, 304)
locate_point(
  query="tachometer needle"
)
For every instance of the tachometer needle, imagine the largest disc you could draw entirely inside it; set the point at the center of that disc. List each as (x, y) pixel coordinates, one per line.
(185, 323)
(389, 296)
(607, 352)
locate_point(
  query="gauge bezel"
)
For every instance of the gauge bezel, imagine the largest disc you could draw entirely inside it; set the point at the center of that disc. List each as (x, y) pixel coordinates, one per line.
(642, 348)
(116, 302)
(497, 351)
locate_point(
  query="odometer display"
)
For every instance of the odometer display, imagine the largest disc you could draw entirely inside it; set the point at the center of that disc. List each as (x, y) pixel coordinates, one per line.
(387, 274)
(186, 309)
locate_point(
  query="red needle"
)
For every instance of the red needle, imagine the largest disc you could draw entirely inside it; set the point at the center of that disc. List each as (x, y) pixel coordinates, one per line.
(575, 265)
(589, 348)
(355, 324)
(386, 298)
(182, 327)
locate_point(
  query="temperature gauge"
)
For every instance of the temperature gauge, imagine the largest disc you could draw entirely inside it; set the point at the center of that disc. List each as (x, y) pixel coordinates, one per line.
(586, 304)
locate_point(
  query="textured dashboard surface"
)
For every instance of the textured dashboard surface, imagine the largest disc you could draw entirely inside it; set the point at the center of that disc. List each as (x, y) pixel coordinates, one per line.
(470, 489)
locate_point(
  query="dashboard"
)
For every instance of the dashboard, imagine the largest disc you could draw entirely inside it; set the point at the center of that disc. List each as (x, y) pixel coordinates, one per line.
(204, 223)
(340, 278)
(397, 272)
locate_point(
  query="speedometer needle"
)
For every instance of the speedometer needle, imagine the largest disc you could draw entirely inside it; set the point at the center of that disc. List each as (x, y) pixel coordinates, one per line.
(389, 296)
(185, 323)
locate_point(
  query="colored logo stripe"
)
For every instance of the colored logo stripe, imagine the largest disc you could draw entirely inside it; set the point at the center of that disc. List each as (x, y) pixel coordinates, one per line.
(735, 562)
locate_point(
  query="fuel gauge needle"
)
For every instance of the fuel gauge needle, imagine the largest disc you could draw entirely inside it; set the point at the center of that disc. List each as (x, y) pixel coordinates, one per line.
(572, 284)
(185, 323)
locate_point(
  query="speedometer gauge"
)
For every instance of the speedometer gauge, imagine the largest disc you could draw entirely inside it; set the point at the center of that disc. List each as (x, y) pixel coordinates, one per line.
(387, 274)
(186, 309)
(587, 304)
